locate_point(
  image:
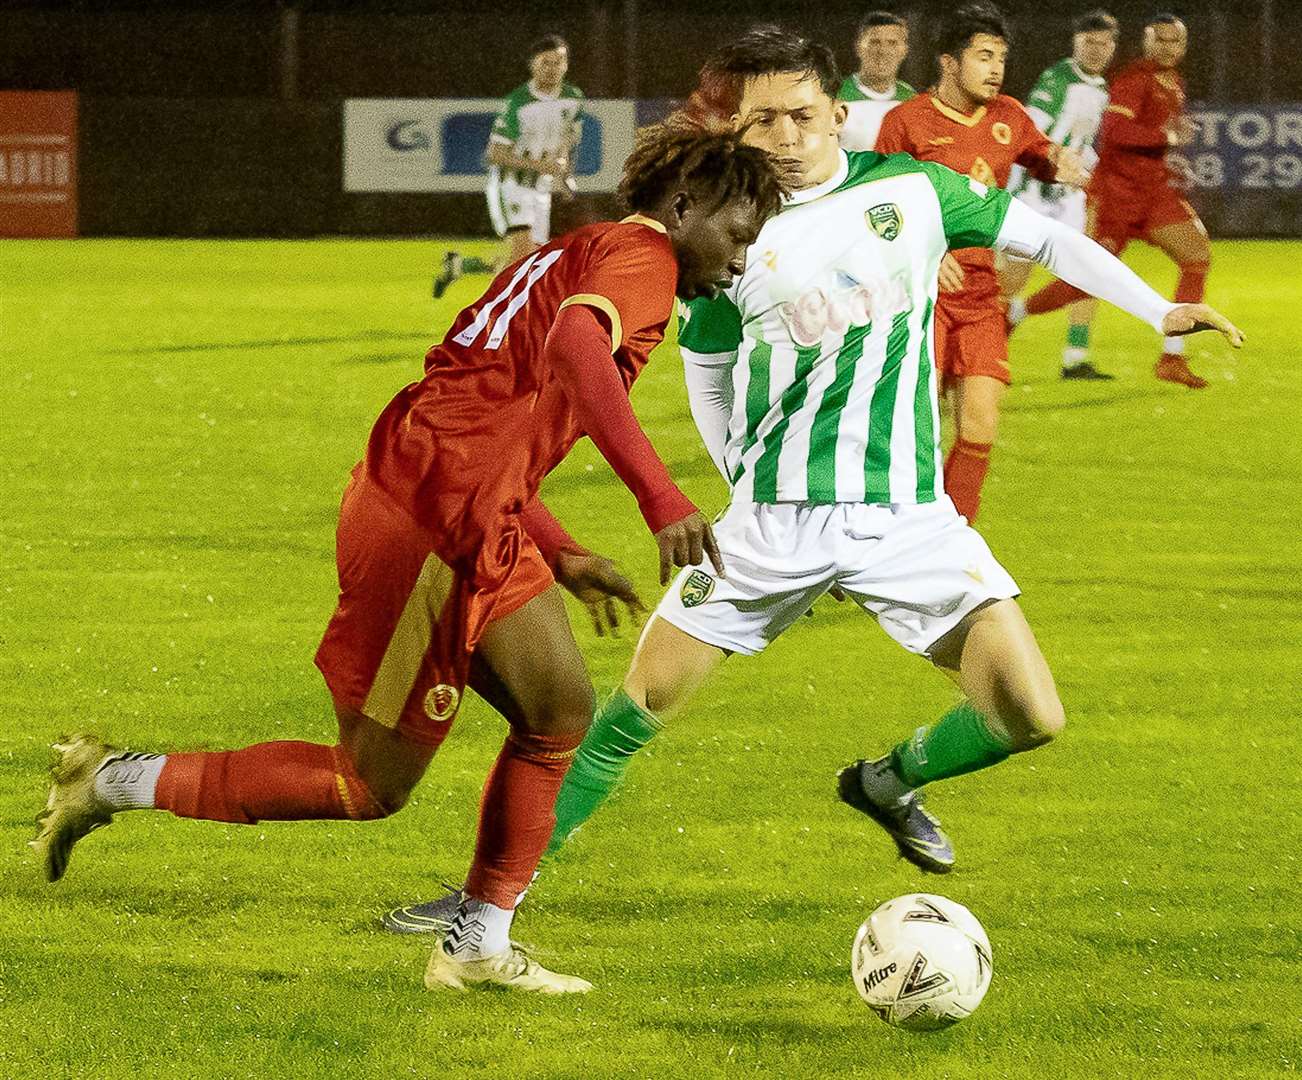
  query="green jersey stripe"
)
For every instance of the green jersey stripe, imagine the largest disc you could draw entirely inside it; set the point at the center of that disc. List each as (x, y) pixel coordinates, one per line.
(765, 482)
(823, 436)
(757, 397)
(922, 418)
(881, 413)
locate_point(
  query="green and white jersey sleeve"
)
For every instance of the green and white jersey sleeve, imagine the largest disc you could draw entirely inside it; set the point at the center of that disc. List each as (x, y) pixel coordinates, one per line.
(866, 107)
(1067, 105)
(537, 124)
(709, 334)
(834, 387)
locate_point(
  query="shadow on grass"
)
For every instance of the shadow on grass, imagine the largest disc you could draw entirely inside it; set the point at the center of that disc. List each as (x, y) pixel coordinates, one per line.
(276, 343)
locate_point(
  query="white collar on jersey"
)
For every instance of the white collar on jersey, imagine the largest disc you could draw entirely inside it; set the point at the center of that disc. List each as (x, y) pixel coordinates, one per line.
(1085, 76)
(870, 93)
(833, 182)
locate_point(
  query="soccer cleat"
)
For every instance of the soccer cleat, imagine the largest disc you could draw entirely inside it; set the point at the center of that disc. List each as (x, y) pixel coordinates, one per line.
(1086, 372)
(916, 833)
(513, 970)
(73, 809)
(451, 272)
(431, 917)
(1176, 369)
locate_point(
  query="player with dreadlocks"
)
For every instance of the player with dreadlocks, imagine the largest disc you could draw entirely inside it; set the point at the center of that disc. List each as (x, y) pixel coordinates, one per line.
(448, 561)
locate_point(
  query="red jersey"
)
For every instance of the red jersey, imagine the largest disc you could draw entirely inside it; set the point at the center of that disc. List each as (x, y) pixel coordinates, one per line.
(1143, 100)
(473, 439)
(984, 145)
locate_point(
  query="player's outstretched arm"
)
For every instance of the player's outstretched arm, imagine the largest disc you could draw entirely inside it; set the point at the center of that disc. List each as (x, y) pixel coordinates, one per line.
(578, 350)
(1078, 260)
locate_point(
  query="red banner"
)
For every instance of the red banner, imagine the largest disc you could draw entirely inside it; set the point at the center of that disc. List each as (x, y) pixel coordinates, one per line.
(38, 163)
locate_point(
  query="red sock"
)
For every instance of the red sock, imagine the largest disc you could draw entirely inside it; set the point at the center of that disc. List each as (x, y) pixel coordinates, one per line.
(518, 813)
(275, 781)
(965, 472)
(1193, 280)
(1053, 296)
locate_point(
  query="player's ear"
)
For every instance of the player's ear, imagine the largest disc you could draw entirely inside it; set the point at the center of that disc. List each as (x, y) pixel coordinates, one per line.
(840, 113)
(735, 121)
(678, 207)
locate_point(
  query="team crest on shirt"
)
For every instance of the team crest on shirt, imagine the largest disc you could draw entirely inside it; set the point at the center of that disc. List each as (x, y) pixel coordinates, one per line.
(1001, 133)
(441, 702)
(885, 220)
(696, 589)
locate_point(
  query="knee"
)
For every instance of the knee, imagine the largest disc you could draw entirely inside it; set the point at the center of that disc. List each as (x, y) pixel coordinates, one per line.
(1039, 722)
(978, 422)
(369, 793)
(567, 709)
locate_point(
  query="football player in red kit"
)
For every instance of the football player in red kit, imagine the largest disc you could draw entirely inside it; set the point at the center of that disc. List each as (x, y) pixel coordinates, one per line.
(1134, 193)
(967, 124)
(448, 562)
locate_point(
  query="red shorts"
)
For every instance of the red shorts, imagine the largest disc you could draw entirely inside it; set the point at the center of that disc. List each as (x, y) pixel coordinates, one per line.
(399, 644)
(1115, 216)
(971, 341)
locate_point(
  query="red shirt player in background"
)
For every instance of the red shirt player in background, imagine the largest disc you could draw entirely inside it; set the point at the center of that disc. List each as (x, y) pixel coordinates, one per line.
(967, 124)
(448, 562)
(1134, 193)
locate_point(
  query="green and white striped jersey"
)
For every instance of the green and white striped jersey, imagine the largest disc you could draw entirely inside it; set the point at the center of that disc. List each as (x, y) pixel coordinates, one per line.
(866, 108)
(1067, 105)
(833, 384)
(536, 124)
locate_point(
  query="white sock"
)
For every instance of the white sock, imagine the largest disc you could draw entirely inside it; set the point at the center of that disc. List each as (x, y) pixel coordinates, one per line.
(1016, 310)
(1073, 356)
(479, 929)
(127, 781)
(1173, 345)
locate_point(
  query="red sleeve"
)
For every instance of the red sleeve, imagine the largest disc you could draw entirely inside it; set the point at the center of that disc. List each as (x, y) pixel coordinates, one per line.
(548, 533)
(578, 350)
(1037, 149)
(891, 136)
(630, 278)
(1121, 123)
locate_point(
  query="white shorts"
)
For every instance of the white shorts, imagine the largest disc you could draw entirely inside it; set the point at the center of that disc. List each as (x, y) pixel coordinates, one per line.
(1067, 209)
(918, 569)
(512, 205)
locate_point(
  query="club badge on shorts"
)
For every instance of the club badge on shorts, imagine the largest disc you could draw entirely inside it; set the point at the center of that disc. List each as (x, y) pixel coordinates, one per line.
(696, 589)
(885, 220)
(441, 702)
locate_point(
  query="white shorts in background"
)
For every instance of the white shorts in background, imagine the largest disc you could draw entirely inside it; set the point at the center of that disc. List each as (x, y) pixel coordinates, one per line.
(513, 205)
(1067, 209)
(918, 569)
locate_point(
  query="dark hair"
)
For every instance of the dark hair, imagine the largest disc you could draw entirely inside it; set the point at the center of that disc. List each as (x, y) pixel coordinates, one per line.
(765, 49)
(958, 30)
(1163, 18)
(720, 168)
(547, 43)
(1098, 19)
(879, 18)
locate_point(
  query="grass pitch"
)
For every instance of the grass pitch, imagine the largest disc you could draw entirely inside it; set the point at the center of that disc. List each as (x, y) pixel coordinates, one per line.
(178, 422)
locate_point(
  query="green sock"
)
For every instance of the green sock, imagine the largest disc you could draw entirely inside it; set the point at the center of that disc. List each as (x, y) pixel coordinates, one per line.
(473, 264)
(959, 742)
(1078, 335)
(621, 728)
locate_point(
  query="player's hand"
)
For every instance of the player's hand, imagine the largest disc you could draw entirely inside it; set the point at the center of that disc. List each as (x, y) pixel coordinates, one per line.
(687, 543)
(950, 275)
(1181, 131)
(551, 165)
(596, 581)
(1071, 168)
(1191, 318)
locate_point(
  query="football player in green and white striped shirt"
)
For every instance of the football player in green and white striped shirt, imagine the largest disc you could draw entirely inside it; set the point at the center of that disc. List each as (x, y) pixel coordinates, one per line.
(882, 43)
(812, 381)
(530, 149)
(1067, 104)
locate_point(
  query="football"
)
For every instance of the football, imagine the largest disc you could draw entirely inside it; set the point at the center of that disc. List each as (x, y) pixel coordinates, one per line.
(922, 962)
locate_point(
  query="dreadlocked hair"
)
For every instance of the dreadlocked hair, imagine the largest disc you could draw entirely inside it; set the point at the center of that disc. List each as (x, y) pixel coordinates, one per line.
(715, 167)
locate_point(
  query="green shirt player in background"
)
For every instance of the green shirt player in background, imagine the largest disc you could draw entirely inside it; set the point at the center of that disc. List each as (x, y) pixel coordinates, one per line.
(1067, 104)
(529, 151)
(812, 381)
(882, 43)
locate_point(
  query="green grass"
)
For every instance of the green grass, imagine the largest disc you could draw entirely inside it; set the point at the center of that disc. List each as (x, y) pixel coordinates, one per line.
(178, 421)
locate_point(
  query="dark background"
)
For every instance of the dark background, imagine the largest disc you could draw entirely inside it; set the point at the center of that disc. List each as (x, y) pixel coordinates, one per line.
(224, 118)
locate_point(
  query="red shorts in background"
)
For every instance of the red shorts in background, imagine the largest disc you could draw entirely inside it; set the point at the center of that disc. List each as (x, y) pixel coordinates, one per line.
(1117, 215)
(399, 644)
(971, 342)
